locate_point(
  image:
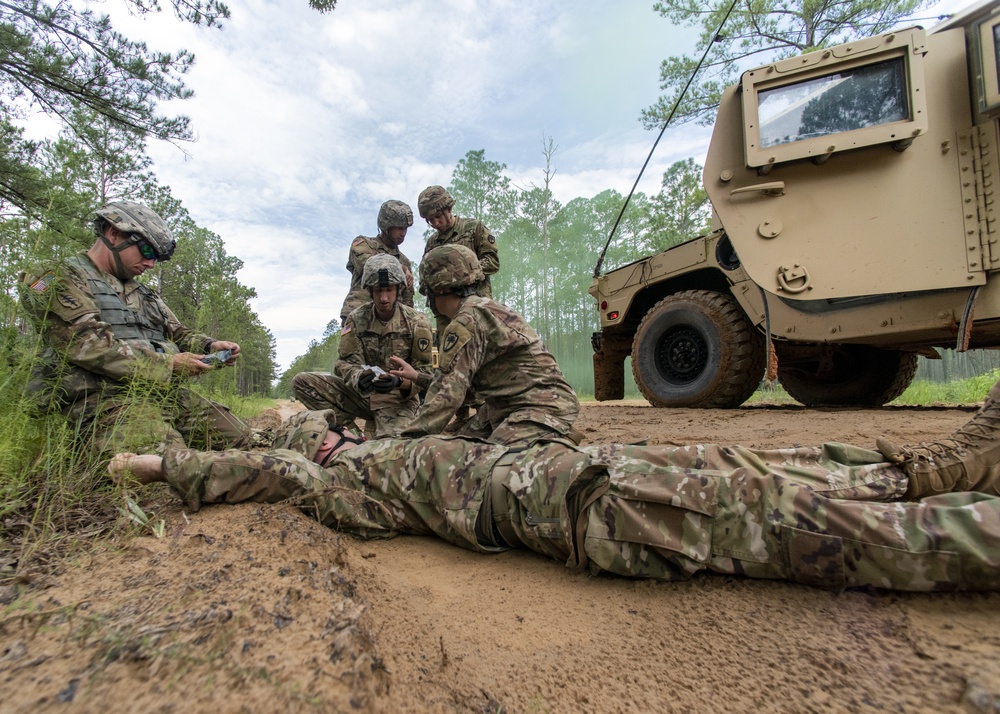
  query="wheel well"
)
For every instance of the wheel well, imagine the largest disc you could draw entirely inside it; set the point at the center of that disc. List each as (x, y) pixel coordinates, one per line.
(705, 279)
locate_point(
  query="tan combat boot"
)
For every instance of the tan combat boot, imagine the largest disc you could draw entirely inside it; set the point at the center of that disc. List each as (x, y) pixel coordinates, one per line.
(968, 460)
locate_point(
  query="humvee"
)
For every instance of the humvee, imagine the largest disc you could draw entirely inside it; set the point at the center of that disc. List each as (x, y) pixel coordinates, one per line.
(854, 228)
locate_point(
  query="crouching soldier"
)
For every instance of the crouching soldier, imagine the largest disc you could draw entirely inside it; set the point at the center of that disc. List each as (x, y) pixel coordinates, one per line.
(373, 333)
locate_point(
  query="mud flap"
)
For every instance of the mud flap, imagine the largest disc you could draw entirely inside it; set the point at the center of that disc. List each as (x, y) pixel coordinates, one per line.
(609, 377)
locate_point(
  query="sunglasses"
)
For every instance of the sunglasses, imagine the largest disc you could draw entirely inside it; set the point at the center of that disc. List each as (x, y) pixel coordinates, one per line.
(149, 252)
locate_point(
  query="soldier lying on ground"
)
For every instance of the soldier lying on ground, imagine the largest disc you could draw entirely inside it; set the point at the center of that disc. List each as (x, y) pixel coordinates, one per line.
(489, 352)
(836, 516)
(115, 353)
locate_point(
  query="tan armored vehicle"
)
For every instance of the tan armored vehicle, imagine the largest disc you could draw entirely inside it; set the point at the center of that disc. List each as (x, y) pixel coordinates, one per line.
(855, 224)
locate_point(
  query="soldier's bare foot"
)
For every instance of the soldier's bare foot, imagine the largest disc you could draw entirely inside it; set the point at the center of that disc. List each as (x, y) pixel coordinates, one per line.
(145, 468)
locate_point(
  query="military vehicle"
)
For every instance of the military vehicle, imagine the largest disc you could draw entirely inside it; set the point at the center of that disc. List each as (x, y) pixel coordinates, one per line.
(854, 228)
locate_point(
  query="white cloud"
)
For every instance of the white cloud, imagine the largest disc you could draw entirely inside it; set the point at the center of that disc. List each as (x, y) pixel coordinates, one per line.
(306, 122)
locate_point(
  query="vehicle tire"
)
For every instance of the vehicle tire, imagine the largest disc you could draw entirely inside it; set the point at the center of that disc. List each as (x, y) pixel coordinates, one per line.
(848, 375)
(697, 349)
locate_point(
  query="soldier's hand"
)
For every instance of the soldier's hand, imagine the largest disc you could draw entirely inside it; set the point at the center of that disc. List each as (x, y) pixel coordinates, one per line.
(187, 363)
(403, 369)
(233, 348)
(386, 383)
(365, 381)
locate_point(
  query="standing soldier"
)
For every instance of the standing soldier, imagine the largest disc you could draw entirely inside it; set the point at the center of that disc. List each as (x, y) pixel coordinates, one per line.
(372, 334)
(115, 354)
(394, 217)
(490, 350)
(435, 205)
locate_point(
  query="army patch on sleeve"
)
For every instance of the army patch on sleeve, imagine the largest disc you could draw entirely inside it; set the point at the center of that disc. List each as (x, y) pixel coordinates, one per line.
(67, 300)
(456, 337)
(491, 239)
(43, 283)
(358, 241)
(423, 344)
(346, 330)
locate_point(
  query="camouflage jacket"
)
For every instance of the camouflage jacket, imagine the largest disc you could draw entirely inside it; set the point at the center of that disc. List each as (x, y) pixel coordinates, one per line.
(476, 237)
(99, 332)
(362, 249)
(364, 340)
(490, 349)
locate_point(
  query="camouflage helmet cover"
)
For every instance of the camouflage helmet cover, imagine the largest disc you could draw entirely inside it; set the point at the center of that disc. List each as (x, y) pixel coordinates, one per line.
(304, 432)
(433, 200)
(394, 214)
(140, 222)
(382, 270)
(449, 267)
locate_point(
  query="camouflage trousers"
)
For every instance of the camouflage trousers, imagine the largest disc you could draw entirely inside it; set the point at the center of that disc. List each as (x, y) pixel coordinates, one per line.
(172, 416)
(385, 414)
(829, 516)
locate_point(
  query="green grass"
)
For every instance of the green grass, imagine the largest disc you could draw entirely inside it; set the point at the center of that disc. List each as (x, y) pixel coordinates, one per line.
(965, 391)
(54, 490)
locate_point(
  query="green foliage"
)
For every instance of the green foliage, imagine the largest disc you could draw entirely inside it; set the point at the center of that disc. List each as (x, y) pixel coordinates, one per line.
(756, 33)
(971, 390)
(320, 357)
(681, 209)
(481, 190)
(548, 250)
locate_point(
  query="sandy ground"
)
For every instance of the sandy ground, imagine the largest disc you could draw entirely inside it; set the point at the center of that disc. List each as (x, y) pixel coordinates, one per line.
(258, 608)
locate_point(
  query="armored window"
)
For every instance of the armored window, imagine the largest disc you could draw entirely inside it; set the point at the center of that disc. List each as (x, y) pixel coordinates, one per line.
(986, 62)
(838, 102)
(861, 94)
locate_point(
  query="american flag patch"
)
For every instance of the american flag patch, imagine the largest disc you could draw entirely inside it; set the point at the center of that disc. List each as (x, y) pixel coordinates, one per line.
(347, 329)
(42, 284)
(358, 241)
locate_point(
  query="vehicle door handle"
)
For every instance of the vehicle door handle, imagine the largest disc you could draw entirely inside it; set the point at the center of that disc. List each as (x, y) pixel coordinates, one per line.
(772, 188)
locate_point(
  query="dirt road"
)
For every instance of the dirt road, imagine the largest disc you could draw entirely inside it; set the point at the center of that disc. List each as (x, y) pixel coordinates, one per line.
(258, 608)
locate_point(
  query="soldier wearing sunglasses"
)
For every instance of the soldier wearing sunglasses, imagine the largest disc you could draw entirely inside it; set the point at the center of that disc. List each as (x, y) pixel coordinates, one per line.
(115, 355)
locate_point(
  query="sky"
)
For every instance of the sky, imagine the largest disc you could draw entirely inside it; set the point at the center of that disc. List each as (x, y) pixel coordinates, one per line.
(305, 123)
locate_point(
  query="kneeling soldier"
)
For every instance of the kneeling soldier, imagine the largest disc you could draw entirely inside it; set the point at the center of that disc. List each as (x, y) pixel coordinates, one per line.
(372, 333)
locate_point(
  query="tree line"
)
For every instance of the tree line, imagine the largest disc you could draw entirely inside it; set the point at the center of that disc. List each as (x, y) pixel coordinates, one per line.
(74, 175)
(548, 249)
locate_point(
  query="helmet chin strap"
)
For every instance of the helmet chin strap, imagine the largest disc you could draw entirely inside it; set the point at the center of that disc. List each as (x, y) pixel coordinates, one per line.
(119, 271)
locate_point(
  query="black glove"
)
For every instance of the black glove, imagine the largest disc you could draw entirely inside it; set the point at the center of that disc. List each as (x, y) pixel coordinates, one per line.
(365, 381)
(386, 383)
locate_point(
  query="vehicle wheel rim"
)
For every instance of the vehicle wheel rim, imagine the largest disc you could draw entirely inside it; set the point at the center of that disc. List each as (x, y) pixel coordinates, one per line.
(681, 355)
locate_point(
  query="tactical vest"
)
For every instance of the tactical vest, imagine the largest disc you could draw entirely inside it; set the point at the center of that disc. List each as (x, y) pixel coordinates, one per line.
(56, 383)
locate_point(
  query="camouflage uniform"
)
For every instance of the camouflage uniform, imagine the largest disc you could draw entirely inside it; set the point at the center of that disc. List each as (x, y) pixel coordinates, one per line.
(489, 349)
(364, 340)
(361, 250)
(829, 516)
(107, 362)
(476, 237)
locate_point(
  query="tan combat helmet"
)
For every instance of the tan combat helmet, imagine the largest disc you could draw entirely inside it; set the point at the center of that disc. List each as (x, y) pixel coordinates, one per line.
(394, 214)
(140, 222)
(450, 269)
(433, 200)
(383, 271)
(304, 432)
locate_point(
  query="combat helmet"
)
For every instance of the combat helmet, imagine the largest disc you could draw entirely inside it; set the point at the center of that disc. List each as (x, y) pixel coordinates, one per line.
(433, 200)
(304, 432)
(140, 222)
(450, 268)
(382, 270)
(394, 214)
